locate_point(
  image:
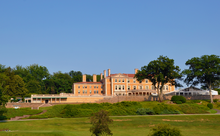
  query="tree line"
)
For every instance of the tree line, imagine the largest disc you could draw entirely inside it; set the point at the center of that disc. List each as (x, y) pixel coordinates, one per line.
(204, 70)
(35, 79)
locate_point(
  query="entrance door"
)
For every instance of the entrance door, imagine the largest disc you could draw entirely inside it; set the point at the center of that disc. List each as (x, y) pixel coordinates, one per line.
(46, 101)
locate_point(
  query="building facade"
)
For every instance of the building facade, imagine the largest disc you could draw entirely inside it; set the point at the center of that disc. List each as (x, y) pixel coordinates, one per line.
(116, 84)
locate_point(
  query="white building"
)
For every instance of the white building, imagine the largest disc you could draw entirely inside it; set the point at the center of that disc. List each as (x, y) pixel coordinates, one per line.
(190, 91)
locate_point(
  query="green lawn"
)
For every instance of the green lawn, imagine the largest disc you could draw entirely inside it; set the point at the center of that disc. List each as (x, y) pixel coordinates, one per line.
(190, 125)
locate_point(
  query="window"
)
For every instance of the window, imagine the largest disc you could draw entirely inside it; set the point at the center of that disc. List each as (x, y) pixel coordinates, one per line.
(94, 86)
(97, 87)
(146, 87)
(128, 87)
(94, 91)
(128, 81)
(115, 80)
(116, 87)
(166, 87)
(123, 80)
(90, 91)
(78, 86)
(134, 81)
(123, 87)
(97, 91)
(78, 91)
(146, 81)
(140, 87)
(119, 87)
(85, 86)
(140, 81)
(163, 87)
(119, 80)
(90, 86)
(85, 91)
(134, 87)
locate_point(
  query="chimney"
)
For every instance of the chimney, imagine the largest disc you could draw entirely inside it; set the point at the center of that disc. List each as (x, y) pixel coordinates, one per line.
(94, 78)
(101, 76)
(135, 71)
(104, 73)
(109, 73)
(84, 78)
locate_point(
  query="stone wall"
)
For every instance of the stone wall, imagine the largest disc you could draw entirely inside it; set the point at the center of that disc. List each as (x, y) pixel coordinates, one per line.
(152, 98)
(116, 99)
(23, 105)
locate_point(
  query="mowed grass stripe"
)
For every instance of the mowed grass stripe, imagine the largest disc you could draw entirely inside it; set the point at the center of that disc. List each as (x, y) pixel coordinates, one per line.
(190, 125)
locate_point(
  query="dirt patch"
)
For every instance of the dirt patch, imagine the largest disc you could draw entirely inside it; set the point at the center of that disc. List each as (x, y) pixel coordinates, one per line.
(121, 120)
(177, 120)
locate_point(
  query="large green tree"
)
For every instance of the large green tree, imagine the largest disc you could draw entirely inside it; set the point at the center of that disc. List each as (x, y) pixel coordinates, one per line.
(76, 76)
(160, 72)
(204, 70)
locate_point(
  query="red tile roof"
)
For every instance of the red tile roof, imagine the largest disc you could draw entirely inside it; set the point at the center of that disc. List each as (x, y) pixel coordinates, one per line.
(129, 75)
(88, 83)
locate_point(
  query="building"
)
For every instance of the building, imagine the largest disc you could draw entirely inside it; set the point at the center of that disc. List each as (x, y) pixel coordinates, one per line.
(190, 91)
(110, 85)
(116, 84)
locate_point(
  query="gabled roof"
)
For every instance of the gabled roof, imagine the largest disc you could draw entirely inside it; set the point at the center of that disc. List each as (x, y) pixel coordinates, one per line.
(126, 75)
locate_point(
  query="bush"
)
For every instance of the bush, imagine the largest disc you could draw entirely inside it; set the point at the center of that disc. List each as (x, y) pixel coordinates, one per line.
(178, 98)
(215, 100)
(149, 111)
(143, 111)
(165, 109)
(165, 130)
(100, 121)
(194, 101)
(210, 105)
(178, 102)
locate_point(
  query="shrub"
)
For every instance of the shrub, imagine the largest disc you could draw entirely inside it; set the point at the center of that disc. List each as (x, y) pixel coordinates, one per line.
(178, 102)
(215, 100)
(178, 98)
(165, 109)
(194, 101)
(100, 121)
(141, 111)
(165, 130)
(69, 111)
(149, 111)
(210, 105)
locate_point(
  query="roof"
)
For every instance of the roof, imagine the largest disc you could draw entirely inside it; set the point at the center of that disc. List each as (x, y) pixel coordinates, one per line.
(129, 75)
(88, 83)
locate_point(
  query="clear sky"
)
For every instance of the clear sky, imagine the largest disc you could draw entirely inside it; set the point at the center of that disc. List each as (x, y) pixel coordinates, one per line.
(93, 35)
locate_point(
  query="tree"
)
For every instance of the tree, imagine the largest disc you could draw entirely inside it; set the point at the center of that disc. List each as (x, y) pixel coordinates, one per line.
(100, 121)
(204, 70)
(76, 76)
(160, 72)
(165, 130)
(33, 86)
(15, 84)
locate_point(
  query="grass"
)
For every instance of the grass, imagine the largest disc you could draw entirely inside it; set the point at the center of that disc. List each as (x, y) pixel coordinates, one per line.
(190, 125)
(20, 112)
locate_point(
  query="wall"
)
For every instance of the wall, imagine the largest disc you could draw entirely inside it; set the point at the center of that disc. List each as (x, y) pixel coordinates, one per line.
(116, 99)
(23, 105)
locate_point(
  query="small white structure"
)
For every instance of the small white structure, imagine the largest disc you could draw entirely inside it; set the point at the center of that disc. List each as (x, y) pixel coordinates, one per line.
(190, 91)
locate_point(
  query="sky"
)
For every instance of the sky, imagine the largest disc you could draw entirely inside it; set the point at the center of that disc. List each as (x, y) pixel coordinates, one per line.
(95, 35)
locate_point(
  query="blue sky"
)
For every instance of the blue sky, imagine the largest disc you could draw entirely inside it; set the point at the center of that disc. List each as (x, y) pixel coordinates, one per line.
(93, 35)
